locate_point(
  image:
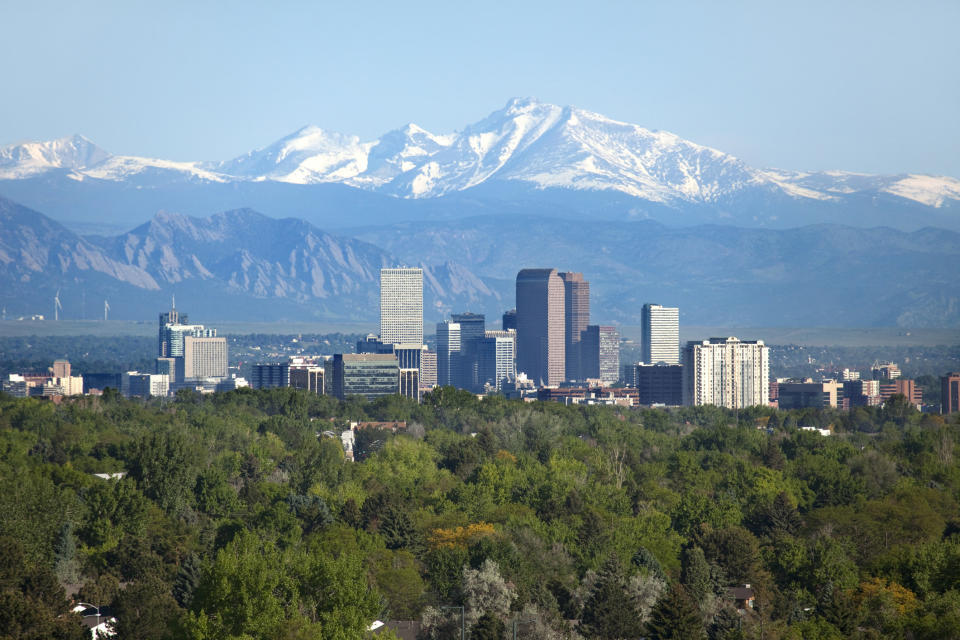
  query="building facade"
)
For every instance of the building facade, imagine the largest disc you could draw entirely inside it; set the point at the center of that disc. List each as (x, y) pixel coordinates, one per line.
(496, 359)
(576, 318)
(268, 376)
(541, 337)
(401, 306)
(204, 358)
(659, 384)
(950, 393)
(726, 372)
(309, 378)
(472, 331)
(448, 353)
(659, 334)
(370, 375)
(600, 353)
(803, 394)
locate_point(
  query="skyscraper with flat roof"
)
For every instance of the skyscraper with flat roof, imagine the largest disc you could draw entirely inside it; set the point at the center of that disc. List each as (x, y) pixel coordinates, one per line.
(472, 328)
(726, 372)
(448, 353)
(659, 334)
(401, 305)
(600, 353)
(541, 348)
(576, 317)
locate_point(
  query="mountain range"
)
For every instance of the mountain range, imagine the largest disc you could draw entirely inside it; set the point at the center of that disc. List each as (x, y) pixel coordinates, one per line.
(243, 265)
(528, 158)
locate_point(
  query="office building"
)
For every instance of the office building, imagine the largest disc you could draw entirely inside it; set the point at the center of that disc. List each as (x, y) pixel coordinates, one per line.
(861, 393)
(950, 393)
(726, 372)
(903, 387)
(308, 378)
(410, 384)
(203, 358)
(61, 369)
(370, 375)
(373, 344)
(401, 306)
(659, 383)
(541, 339)
(576, 317)
(428, 369)
(885, 371)
(804, 394)
(497, 365)
(167, 318)
(509, 320)
(600, 353)
(144, 385)
(448, 353)
(268, 376)
(16, 385)
(659, 334)
(472, 328)
(93, 382)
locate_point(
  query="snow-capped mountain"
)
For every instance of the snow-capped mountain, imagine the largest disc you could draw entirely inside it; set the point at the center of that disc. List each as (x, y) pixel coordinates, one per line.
(548, 154)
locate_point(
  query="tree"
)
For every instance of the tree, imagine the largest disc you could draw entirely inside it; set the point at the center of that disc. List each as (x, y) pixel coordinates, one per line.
(145, 610)
(488, 627)
(485, 591)
(609, 612)
(675, 617)
(161, 462)
(695, 574)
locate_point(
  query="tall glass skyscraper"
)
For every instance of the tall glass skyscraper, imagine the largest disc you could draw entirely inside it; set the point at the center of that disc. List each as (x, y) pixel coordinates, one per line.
(541, 336)
(659, 334)
(401, 306)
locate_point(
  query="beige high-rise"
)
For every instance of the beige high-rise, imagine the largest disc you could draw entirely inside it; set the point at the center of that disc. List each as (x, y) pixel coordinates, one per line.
(541, 334)
(401, 306)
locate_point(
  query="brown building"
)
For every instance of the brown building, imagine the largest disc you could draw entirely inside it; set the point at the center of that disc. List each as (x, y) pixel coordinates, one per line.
(950, 393)
(576, 317)
(541, 341)
(61, 368)
(903, 387)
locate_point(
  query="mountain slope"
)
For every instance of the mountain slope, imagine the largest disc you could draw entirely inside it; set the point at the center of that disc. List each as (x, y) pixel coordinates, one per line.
(237, 265)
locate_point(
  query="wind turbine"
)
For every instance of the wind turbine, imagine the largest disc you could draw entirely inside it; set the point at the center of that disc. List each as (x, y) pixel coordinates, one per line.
(57, 307)
(106, 308)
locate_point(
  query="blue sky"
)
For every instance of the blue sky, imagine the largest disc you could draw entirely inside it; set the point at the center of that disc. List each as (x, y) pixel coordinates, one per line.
(863, 86)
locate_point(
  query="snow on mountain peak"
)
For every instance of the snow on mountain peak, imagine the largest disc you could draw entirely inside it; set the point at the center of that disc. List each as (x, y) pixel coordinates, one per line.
(30, 158)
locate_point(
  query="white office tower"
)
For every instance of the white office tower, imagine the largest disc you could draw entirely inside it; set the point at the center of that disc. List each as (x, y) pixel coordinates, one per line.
(401, 306)
(660, 334)
(726, 372)
(448, 353)
(204, 358)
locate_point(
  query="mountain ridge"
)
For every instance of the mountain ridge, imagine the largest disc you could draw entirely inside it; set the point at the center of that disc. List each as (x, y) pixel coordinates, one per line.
(538, 145)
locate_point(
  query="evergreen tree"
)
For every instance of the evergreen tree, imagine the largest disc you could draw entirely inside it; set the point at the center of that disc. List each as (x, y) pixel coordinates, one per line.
(488, 627)
(610, 613)
(782, 516)
(675, 617)
(643, 559)
(65, 551)
(397, 528)
(695, 574)
(187, 580)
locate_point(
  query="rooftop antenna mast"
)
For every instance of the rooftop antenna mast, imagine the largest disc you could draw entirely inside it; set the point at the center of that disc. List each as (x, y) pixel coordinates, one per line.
(106, 308)
(57, 307)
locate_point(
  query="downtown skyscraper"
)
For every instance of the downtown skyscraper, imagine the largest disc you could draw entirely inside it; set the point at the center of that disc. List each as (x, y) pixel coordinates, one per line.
(541, 335)
(401, 306)
(576, 317)
(659, 334)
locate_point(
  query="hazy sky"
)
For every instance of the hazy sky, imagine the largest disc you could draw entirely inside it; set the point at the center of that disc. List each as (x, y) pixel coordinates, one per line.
(865, 86)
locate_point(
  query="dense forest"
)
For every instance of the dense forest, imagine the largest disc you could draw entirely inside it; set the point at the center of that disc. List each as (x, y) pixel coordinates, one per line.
(239, 517)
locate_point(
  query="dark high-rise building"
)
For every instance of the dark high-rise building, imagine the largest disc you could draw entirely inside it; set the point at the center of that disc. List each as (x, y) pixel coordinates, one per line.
(268, 376)
(660, 384)
(448, 353)
(510, 320)
(576, 317)
(365, 374)
(541, 348)
(600, 353)
(472, 328)
(949, 393)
